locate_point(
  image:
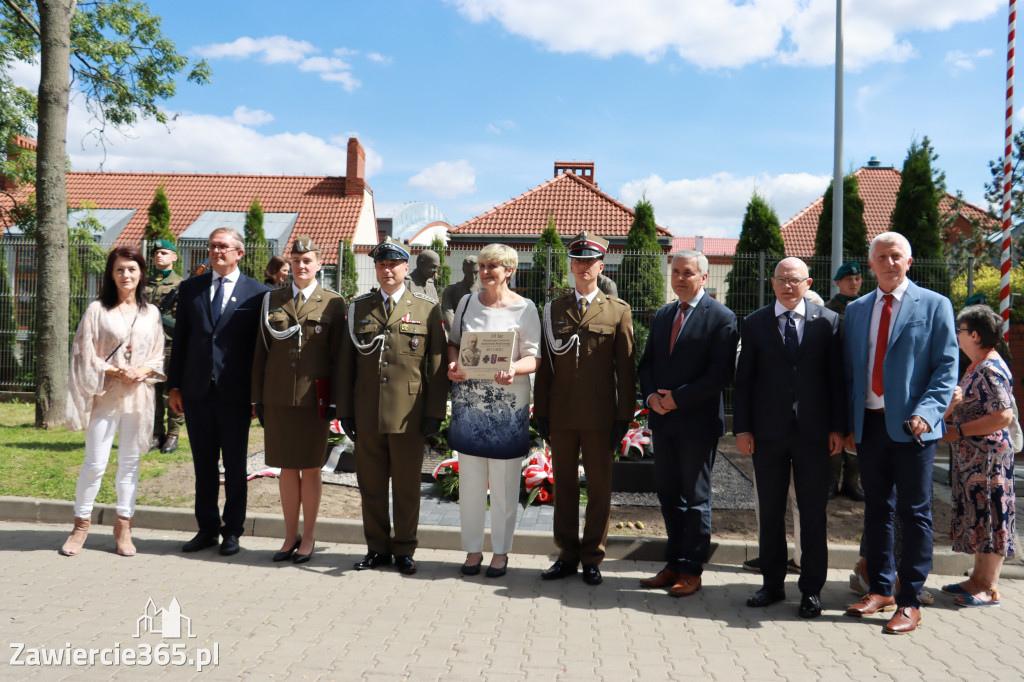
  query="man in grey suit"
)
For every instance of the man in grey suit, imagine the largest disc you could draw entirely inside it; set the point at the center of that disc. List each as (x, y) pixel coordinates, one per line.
(790, 414)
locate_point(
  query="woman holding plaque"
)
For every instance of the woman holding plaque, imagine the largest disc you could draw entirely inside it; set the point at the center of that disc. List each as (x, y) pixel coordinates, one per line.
(490, 417)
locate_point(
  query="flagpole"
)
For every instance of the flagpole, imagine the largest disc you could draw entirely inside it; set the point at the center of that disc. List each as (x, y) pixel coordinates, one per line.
(838, 194)
(1005, 262)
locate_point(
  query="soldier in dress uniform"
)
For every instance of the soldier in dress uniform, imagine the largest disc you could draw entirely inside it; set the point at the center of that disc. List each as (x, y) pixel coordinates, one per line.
(162, 291)
(584, 399)
(392, 390)
(301, 328)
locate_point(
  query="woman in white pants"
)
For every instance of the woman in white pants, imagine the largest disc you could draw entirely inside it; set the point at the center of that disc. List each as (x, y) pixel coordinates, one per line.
(490, 417)
(116, 357)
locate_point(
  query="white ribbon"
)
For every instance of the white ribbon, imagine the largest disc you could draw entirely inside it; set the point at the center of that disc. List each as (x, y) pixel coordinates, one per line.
(555, 346)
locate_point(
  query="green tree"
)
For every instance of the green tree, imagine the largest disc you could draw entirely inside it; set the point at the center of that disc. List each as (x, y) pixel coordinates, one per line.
(855, 234)
(348, 285)
(994, 196)
(124, 65)
(916, 215)
(158, 225)
(640, 281)
(987, 281)
(444, 271)
(760, 232)
(257, 248)
(539, 287)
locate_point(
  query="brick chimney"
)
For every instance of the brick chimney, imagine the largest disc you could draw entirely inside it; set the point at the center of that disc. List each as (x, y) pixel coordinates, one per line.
(355, 170)
(13, 152)
(584, 170)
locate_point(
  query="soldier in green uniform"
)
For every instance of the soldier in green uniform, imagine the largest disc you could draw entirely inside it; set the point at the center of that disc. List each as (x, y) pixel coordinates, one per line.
(162, 291)
(391, 389)
(584, 399)
(845, 469)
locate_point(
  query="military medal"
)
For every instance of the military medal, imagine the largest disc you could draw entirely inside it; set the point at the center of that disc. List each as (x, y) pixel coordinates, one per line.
(318, 329)
(414, 342)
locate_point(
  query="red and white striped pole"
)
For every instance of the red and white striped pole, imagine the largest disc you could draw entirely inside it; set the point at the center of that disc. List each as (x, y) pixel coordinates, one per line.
(1005, 262)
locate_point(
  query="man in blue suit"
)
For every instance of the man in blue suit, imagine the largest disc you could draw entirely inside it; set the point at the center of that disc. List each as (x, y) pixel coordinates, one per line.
(209, 378)
(790, 414)
(900, 353)
(688, 360)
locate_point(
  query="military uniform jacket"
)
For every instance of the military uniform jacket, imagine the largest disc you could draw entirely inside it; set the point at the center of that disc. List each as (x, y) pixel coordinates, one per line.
(285, 374)
(403, 378)
(156, 292)
(602, 388)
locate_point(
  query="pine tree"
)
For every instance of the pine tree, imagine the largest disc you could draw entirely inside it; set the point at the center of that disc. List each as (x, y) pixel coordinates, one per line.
(760, 232)
(640, 280)
(916, 215)
(539, 287)
(349, 284)
(855, 234)
(158, 225)
(444, 271)
(257, 249)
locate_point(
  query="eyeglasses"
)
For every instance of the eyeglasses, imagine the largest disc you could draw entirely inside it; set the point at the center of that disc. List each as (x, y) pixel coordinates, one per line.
(963, 329)
(223, 247)
(791, 281)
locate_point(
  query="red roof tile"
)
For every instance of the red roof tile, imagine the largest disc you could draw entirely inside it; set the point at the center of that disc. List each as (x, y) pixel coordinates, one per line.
(713, 246)
(576, 204)
(877, 188)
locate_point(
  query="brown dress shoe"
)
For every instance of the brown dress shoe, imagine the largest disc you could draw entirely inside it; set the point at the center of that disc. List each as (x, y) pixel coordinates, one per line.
(905, 620)
(871, 603)
(685, 586)
(666, 578)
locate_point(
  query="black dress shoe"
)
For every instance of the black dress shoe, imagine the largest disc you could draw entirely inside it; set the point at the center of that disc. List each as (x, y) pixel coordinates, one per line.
(229, 545)
(200, 541)
(560, 569)
(766, 597)
(405, 565)
(855, 493)
(496, 572)
(170, 444)
(591, 574)
(286, 554)
(810, 605)
(373, 560)
(471, 569)
(303, 558)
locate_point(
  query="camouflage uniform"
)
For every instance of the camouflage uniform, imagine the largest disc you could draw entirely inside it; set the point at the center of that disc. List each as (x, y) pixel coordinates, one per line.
(157, 289)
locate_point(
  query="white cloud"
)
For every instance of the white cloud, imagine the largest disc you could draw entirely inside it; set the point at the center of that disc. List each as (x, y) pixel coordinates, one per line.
(727, 33)
(284, 50)
(498, 127)
(25, 75)
(714, 206)
(959, 60)
(251, 117)
(378, 57)
(446, 179)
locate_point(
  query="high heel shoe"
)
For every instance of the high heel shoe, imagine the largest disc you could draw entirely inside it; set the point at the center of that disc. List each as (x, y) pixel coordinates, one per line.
(303, 558)
(123, 536)
(77, 538)
(494, 572)
(286, 554)
(472, 569)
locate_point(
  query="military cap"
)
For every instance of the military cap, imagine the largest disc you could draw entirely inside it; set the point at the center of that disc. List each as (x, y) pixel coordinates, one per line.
(159, 244)
(847, 269)
(388, 249)
(587, 246)
(976, 299)
(303, 244)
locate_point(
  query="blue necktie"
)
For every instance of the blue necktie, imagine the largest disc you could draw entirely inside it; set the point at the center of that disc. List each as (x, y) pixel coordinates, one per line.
(218, 300)
(792, 341)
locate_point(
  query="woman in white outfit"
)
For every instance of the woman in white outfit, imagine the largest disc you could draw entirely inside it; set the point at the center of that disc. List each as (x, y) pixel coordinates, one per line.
(116, 358)
(490, 425)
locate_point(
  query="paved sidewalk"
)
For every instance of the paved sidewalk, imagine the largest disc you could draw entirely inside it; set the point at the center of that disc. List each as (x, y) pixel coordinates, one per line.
(327, 621)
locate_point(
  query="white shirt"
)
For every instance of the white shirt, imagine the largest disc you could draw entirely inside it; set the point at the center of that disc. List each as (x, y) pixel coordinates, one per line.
(590, 297)
(799, 317)
(306, 293)
(876, 402)
(230, 280)
(395, 297)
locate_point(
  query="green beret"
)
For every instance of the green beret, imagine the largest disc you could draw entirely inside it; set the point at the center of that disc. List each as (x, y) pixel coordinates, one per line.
(977, 299)
(847, 269)
(164, 244)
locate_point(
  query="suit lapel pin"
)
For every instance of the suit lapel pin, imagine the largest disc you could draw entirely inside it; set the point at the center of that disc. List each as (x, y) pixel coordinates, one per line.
(233, 299)
(318, 329)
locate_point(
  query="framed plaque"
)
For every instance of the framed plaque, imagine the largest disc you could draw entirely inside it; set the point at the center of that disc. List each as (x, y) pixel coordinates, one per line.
(483, 354)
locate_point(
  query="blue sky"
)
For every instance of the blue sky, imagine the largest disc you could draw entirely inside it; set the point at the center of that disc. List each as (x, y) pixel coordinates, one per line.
(468, 103)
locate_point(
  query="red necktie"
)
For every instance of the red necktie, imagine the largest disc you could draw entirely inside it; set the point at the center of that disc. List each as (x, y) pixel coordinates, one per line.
(676, 326)
(883, 341)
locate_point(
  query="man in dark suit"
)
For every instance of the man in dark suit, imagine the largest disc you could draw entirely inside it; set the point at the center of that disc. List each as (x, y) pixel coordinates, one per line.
(209, 378)
(790, 404)
(688, 360)
(584, 399)
(900, 353)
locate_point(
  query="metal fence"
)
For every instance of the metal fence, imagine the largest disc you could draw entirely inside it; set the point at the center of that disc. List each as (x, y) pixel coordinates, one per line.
(741, 281)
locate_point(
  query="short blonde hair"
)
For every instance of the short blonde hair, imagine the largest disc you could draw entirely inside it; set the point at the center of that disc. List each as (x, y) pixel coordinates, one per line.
(501, 254)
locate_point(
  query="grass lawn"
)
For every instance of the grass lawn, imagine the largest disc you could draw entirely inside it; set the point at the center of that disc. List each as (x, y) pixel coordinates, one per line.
(45, 463)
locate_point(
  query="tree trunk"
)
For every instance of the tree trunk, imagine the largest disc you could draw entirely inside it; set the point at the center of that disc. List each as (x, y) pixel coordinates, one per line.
(52, 286)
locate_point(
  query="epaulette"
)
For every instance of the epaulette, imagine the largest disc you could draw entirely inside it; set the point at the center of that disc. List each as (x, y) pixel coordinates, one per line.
(425, 297)
(616, 299)
(330, 291)
(366, 295)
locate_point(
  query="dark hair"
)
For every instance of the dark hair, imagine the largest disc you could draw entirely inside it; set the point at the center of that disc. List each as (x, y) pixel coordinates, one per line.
(108, 291)
(274, 266)
(983, 320)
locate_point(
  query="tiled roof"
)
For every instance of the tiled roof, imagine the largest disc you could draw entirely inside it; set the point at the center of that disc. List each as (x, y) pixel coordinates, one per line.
(325, 213)
(877, 188)
(713, 246)
(576, 204)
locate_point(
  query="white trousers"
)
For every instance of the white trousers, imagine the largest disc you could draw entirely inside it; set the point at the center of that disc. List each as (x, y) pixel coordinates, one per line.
(99, 438)
(503, 475)
(797, 554)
